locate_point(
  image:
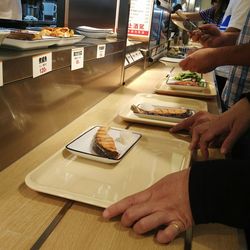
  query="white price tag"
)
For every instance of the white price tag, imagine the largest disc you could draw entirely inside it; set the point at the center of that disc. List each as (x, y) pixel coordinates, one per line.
(129, 58)
(1, 73)
(134, 55)
(101, 49)
(77, 58)
(42, 64)
(125, 62)
(139, 55)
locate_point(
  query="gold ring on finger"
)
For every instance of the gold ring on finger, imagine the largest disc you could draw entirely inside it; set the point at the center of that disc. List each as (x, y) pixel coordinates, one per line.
(176, 226)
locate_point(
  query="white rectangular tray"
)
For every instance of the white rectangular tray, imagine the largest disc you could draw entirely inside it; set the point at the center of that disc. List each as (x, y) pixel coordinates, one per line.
(164, 88)
(64, 41)
(128, 115)
(70, 176)
(166, 60)
(39, 44)
(28, 45)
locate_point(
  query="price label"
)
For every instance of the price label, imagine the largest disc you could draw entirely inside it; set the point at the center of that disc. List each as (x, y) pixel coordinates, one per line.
(125, 62)
(1, 73)
(42, 64)
(129, 58)
(77, 58)
(135, 55)
(139, 55)
(101, 49)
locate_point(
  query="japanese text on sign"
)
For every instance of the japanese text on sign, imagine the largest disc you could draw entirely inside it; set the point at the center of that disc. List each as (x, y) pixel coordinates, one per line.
(77, 58)
(140, 17)
(42, 64)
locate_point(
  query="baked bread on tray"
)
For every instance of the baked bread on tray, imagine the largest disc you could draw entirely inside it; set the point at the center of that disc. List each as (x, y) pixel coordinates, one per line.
(24, 35)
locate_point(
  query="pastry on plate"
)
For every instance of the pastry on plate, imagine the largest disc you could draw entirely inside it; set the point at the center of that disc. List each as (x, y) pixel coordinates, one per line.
(57, 32)
(24, 35)
(104, 144)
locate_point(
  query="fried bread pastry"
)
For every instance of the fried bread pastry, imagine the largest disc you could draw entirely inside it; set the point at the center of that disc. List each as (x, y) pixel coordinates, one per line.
(104, 144)
(22, 35)
(57, 32)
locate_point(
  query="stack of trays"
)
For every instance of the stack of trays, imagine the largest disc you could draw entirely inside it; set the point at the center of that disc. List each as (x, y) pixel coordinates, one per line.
(94, 32)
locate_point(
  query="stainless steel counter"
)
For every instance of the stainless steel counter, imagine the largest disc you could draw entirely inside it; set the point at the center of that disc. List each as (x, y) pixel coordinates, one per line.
(32, 109)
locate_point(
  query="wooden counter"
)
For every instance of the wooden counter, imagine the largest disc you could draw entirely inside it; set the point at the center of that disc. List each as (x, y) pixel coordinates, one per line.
(25, 214)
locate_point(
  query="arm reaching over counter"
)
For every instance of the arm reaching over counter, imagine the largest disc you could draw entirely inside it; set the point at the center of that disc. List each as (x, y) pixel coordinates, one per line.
(207, 59)
(210, 36)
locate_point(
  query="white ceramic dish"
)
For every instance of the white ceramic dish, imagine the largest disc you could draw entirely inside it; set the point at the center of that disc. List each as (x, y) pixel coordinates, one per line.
(83, 145)
(3, 34)
(64, 41)
(69, 176)
(94, 30)
(171, 83)
(149, 107)
(165, 89)
(169, 101)
(27, 45)
(94, 34)
(165, 60)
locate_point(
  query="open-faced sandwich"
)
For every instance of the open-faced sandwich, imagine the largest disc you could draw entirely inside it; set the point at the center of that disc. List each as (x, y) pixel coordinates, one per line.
(187, 81)
(104, 144)
(160, 112)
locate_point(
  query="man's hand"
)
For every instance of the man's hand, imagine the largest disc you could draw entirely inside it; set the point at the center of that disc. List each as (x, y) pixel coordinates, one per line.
(166, 203)
(208, 35)
(202, 61)
(225, 128)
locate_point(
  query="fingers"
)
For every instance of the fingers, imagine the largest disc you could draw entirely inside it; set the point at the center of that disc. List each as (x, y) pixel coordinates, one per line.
(183, 64)
(210, 29)
(184, 125)
(196, 134)
(188, 123)
(170, 232)
(150, 222)
(229, 141)
(135, 213)
(122, 205)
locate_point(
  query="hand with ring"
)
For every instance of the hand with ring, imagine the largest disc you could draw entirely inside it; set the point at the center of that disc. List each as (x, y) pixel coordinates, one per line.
(166, 203)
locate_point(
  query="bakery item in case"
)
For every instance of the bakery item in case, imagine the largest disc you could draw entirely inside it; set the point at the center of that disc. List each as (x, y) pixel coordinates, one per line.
(57, 32)
(24, 35)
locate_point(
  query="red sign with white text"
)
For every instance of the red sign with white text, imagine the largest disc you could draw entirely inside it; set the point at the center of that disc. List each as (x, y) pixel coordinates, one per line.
(140, 17)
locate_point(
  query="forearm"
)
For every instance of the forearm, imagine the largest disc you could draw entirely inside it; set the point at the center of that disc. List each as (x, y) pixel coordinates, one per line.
(232, 55)
(193, 16)
(219, 192)
(229, 37)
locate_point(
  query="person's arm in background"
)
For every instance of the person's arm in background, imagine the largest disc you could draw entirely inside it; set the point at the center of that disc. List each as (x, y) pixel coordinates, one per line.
(207, 59)
(193, 16)
(210, 36)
